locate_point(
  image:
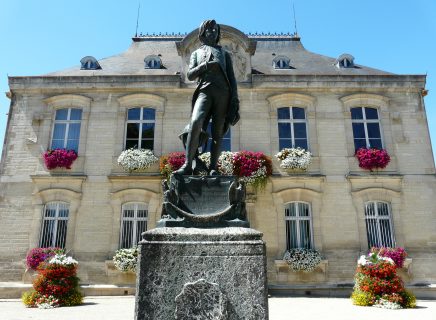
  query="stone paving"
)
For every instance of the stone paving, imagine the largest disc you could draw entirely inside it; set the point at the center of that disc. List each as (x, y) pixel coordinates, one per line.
(120, 308)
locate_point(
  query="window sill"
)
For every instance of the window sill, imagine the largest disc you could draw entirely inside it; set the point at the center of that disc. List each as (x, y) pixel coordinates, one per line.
(112, 271)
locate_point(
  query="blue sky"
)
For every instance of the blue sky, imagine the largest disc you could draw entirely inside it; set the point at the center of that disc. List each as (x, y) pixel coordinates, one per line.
(38, 37)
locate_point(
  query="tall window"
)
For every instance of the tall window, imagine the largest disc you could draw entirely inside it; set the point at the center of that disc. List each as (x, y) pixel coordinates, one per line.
(379, 224)
(133, 222)
(54, 225)
(225, 144)
(366, 128)
(66, 130)
(298, 219)
(292, 127)
(140, 128)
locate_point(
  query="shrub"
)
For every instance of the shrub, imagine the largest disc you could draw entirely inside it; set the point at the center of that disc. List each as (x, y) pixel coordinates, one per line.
(59, 158)
(29, 298)
(409, 300)
(361, 298)
(75, 298)
(38, 255)
(302, 259)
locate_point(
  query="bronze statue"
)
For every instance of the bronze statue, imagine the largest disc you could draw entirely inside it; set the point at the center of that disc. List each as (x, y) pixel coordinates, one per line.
(215, 97)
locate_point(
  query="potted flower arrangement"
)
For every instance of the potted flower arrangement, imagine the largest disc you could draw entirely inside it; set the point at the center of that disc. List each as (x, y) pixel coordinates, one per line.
(136, 160)
(59, 158)
(126, 259)
(302, 259)
(56, 284)
(171, 162)
(371, 158)
(253, 168)
(294, 159)
(398, 255)
(378, 284)
(38, 255)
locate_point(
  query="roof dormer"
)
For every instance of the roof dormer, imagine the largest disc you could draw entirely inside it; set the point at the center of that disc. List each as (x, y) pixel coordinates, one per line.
(89, 63)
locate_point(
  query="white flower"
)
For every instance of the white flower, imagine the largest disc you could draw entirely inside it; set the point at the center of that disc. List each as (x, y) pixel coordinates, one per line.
(294, 158)
(363, 261)
(225, 163)
(62, 259)
(136, 159)
(387, 259)
(126, 259)
(386, 304)
(302, 259)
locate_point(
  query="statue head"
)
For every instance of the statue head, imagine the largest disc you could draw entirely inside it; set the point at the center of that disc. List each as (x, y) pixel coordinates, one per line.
(209, 32)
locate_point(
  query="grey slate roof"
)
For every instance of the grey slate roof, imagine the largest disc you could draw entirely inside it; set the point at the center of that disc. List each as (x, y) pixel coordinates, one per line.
(302, 61)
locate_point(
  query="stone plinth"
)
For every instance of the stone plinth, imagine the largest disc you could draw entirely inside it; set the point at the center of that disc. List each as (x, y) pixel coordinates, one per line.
(196, 274)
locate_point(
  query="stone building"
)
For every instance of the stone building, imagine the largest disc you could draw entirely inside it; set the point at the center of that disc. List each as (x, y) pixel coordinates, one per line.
(289, 97)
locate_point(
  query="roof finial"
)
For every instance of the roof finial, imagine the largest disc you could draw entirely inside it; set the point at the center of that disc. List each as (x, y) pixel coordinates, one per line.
(295, 21)
(137, 18)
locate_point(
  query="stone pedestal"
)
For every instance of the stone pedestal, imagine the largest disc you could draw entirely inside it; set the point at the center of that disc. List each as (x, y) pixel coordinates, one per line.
(199, 274)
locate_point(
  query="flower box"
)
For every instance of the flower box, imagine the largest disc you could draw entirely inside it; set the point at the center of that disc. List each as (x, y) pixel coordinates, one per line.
(294, 160)
(59, 158)
(371, 159)
(136, 160)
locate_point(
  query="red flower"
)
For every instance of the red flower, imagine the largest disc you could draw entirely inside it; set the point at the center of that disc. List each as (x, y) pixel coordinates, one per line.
(59, 158)
(372, 158)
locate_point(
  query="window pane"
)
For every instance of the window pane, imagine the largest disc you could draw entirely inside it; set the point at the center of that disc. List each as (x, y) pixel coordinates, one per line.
(359, 143)
(358, 130)
(147, 130)
(305, 234)
(132, 144)
(73, 145)
(50, 211)
(371, 232)
(285, 143)
(371, 113)
(134, 114)
(62, 114)
(148, 114)
(63, 210)
(375, 143)
(385, 233)
(356, 113)
(76, 114)
(74, 131)
(126, 234)
(302, 143)
(299, 130)
(283, 113)
(369, 209)
(141, 227)
(61, 233)
(142, 213)
(373, 130)
(59, 131)
(47, 233)
(303, 210)
(291, 234)
(147, 144)
(298, 113)
(132, 130)
(382, 209)
(284, 130)
(128, 213)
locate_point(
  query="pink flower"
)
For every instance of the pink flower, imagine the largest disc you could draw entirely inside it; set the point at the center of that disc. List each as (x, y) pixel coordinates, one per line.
(59, 158)
(372, 158)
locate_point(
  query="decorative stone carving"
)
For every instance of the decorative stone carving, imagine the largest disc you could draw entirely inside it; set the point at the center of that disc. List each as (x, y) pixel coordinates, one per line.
(201, 300)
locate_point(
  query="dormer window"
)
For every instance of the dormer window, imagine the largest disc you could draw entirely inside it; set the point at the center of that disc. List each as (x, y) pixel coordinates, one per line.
(281, 62)
(89, 63)
(345, 61)
(153, 62)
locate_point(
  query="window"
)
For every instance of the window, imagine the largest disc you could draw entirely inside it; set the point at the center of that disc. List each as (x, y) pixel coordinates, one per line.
(152, 62)
(298, 219)
(140, 128)
(66, 130)
(133, 223)
(292, 127)
(379, 224)
(89, 63)
(366, 128)
(225, 144)
(54, 225)
(281, 62)
(345, 61)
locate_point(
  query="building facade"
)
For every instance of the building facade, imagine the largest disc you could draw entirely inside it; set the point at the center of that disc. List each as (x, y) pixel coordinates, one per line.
(289, 97)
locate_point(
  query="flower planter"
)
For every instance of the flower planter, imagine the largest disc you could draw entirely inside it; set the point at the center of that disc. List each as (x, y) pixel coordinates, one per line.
(286, 275)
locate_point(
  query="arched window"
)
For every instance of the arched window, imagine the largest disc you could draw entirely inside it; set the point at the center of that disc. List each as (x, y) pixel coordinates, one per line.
(140, 128)
(134, 218)
(292, 128)
(152, 62)
(345, 61)
(298, 220)
(66, 129)
(366, 128)
(89, 63)
(54, 225)
(378, 220)
(281, 62)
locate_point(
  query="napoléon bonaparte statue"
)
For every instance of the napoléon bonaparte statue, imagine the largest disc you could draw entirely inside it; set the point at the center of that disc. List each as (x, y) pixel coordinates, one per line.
(215, 98)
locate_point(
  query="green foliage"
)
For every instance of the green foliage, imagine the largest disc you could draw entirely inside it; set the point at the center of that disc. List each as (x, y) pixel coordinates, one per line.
(409, 300)
(75, 298)
(362, 298)
(29, 298)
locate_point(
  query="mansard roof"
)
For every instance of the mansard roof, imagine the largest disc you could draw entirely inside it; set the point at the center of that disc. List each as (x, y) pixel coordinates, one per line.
(263, 48)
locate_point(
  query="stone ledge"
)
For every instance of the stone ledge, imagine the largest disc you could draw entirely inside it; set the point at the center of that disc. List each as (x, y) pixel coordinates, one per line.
(282, 264)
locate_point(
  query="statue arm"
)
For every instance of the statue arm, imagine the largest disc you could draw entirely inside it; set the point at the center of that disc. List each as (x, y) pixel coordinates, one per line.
(195, 70)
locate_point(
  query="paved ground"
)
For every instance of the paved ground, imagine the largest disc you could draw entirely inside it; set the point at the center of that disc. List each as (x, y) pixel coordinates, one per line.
(121, 308)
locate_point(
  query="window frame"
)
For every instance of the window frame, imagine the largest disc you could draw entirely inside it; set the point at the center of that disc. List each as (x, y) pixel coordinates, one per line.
(135, 221)
(365, 122)
(67, 127)
(377, 218)
(298, 219)
(141, 122)
(56, 220)
(292, 121)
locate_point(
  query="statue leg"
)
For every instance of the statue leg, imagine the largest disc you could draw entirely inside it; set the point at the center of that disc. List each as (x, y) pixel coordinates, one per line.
(199, 114)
